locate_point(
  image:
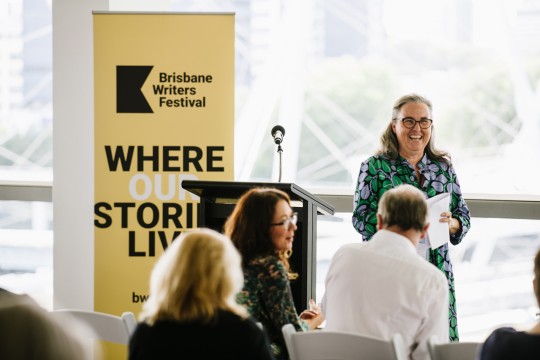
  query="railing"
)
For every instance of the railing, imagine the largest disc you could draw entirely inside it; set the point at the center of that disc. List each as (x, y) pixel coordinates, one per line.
(481, 205)
(26, 191)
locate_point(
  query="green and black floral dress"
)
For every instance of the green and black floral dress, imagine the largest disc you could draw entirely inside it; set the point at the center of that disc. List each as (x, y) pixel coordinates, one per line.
(267, 296)
(379, 174)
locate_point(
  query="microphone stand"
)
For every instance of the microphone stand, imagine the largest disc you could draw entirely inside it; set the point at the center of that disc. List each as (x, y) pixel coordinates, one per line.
(278, 132)
(279, 150)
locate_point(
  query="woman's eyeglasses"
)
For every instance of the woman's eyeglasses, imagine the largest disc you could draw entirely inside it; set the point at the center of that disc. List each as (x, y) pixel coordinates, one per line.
(409, 123)
(288, 221)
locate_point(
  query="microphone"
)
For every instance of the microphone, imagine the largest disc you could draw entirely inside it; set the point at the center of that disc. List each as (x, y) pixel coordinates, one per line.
(277, 133)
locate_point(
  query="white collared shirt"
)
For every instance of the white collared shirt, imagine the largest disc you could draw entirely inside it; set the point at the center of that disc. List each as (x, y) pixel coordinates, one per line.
(382, 287)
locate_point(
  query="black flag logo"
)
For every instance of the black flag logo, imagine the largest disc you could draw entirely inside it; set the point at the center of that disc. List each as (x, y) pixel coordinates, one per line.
(129, 97)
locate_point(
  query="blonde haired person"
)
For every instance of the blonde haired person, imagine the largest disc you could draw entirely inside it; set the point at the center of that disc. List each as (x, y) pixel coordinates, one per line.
(191, 312)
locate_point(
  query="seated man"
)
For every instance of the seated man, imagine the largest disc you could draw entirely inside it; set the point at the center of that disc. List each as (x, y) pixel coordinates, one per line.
(382, 287)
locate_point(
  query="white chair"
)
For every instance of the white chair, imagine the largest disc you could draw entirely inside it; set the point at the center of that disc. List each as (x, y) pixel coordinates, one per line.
(336, 345)
(452, 351)
(106, 327)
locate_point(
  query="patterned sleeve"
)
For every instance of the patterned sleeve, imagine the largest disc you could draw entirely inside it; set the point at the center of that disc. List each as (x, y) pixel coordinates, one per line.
(279, 301)
(458, 207)
(366, 199)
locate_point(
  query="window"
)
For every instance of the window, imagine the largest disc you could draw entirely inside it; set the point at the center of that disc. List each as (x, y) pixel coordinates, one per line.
(328, 71)
(26, 147)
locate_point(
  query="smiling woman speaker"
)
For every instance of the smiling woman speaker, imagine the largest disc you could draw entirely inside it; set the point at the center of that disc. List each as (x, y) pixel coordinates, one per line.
(408, 156)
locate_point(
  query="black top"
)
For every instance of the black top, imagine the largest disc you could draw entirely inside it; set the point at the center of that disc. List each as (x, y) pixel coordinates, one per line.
(507, 343)
(228, 337)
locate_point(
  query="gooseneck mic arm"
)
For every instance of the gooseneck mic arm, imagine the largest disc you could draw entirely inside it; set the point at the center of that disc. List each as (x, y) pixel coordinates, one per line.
(278, 132)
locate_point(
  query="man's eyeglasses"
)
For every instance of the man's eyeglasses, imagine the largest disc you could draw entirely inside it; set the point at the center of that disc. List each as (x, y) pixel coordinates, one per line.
(409, 123)
(288, 221)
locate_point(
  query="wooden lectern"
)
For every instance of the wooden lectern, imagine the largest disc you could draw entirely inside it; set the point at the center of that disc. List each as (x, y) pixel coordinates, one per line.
(218, 198)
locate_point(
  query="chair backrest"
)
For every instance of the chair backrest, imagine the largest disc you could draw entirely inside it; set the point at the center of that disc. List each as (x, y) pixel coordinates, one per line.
(336, 345)
(452, 351)
(107, 327)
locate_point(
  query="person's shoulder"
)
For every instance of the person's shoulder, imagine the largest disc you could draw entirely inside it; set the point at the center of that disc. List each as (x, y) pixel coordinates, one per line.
(431, 275)
(349, 248)
(377, 157)
(433, 272)
(370, 159)
(497, 344)
(348, 254)
(265, 261)
(142, 331)
(504, 331)
(268, 266)
(23, 307)
(227, 315)
(383, 161)
(247, 323)
(51, 337)
(444, 162)
(243, 327)
(9, 299)
(142, 327)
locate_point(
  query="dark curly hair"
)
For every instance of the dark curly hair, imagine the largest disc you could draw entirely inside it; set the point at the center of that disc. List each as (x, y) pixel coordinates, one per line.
(249, 225)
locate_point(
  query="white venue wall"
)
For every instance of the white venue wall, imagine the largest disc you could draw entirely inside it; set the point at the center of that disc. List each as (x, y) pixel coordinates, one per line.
(73, 190)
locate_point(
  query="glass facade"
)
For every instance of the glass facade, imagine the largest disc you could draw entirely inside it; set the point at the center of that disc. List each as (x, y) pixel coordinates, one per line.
(328, 72)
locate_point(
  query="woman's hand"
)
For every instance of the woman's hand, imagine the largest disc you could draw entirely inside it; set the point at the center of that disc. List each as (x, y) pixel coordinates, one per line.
(313, 316)
(453, 224)
(308, 314)
(312, 312)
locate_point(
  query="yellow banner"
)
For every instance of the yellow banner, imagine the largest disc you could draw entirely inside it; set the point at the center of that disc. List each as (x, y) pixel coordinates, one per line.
(164, 112)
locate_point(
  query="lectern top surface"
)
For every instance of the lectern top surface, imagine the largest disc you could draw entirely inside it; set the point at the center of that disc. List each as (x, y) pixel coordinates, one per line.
(219, 190)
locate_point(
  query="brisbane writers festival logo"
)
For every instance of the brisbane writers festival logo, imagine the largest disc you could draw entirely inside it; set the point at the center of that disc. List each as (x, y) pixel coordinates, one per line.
(129, 96)
(166, 89)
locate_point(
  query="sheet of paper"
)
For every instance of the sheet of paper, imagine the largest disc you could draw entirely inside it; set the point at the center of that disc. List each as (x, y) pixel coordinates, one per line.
(422, 248)
(438, 232)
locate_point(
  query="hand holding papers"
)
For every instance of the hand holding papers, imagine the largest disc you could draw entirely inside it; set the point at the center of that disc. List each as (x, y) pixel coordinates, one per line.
(438, 231)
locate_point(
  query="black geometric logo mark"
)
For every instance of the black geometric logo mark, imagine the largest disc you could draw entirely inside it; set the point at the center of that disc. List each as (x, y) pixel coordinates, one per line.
(129, 97)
